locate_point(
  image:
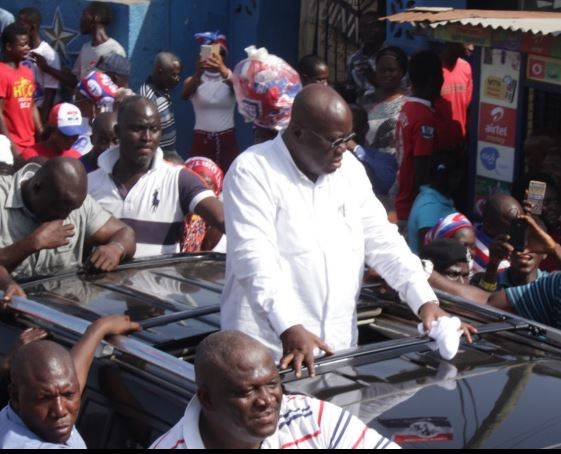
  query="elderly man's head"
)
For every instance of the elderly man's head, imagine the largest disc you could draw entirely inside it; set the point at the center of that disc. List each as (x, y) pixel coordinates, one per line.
(57, 189)
(239, 389)
(167, 70)
(45, 391)
(139, 131)
(320, 128)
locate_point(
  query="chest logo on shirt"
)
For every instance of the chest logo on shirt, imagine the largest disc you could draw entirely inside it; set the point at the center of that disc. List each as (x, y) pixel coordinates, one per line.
(427, 132)
(23, 89)
(155, 200)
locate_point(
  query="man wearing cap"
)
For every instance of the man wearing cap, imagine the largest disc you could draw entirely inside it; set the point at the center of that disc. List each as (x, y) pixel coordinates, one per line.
(66, 122)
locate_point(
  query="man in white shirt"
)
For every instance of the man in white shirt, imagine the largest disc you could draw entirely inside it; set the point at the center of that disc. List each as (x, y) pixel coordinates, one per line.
(240, 405)
(46, 86)
(95, 18)
(137, 186)
(302, 220)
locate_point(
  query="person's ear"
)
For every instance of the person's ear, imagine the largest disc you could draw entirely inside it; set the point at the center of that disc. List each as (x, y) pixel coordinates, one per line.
(205, 399)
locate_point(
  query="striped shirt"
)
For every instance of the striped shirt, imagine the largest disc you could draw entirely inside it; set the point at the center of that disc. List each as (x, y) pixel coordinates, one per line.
(155, 206)
(304, 423)
(539, 301)
(481, 252)
(162, 99)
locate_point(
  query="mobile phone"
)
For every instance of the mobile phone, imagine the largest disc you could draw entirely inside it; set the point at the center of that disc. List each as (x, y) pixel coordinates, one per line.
(216, 49)
(206, 51)
(536, 194)
(518, 234)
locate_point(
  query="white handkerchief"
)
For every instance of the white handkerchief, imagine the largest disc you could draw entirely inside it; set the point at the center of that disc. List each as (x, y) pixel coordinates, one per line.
(446, 331)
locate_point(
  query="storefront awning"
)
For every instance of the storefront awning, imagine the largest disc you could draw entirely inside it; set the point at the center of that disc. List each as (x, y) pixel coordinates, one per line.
(537, 23)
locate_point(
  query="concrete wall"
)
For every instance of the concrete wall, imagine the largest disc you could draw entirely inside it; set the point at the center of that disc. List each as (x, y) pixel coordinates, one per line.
(145, 27)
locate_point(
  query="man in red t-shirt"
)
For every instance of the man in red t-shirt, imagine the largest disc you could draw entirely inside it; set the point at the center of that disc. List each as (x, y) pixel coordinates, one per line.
(66, 122)
(19, 117)
(455, 97)
(416, 130)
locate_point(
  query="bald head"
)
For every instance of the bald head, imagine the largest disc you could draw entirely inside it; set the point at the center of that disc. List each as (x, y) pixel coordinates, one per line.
(319, 130)
(167, 70)
(223, 351)
(59, 187)
(37, 360)
(317, 104)
(499, 211)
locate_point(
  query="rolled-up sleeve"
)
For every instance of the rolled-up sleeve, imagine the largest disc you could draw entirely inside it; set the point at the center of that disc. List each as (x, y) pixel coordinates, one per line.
(253, 254)
(387, 252)
(96, 215)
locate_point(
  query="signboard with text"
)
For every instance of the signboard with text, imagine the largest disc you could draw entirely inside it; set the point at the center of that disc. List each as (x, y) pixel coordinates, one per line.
(544, 69)
(500, 77)
(497, 124)
(495, 161)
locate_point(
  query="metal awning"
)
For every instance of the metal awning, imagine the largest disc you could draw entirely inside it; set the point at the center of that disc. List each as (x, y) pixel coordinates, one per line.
(537, 23)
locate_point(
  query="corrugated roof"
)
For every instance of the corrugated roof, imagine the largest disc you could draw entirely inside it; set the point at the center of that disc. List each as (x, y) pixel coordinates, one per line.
(536, 22)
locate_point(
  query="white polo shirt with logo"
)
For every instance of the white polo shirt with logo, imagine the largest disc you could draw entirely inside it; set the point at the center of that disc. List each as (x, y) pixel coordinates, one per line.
(156, 205)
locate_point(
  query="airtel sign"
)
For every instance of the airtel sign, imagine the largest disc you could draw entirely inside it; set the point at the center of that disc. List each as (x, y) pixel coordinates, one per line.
(497, 125)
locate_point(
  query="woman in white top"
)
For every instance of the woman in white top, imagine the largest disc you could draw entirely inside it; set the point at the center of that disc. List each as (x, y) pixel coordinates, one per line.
(211, 92)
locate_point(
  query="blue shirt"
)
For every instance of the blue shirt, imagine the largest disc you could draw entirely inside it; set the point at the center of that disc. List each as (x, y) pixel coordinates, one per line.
(539, 301)
(381, 168)
(14, 434)
(503, 280)
(429, 206)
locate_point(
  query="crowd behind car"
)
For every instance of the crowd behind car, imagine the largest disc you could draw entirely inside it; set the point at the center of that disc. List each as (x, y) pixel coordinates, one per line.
(371, 172)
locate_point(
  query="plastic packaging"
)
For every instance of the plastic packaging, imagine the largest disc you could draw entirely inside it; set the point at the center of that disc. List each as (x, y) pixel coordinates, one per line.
(265, 87)
(99, 87)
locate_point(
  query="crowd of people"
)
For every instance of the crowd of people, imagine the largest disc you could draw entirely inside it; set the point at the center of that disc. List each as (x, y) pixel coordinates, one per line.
(370, 173)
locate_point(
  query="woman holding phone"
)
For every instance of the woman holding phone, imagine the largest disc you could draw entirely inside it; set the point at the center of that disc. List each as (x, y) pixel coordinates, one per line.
(211, 92)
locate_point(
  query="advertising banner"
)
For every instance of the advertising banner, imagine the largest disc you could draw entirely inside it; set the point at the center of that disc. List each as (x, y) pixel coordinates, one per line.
(544, 69)
(495, 161)
(500, 77)
(497, 124)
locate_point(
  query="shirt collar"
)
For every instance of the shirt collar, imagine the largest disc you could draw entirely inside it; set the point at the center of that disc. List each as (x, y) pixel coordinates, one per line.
(279, 143)
(109, 158)
(15, 199)
(422, 101)
(191, 433)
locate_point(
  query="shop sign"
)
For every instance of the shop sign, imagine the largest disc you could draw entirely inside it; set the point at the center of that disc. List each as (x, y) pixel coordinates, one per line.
(495, 161)
(544, 69)
(485, 188)
(506, 39)
(500, 77)
(497, 124)
(537, 44)
(464, 34)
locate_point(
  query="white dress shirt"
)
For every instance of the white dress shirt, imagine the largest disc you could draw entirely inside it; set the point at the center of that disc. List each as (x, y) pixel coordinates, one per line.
(296, 249)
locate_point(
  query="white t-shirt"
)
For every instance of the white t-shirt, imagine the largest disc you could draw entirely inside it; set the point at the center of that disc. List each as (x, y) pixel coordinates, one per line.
(90, 55)
(43, 80)
(214, 104)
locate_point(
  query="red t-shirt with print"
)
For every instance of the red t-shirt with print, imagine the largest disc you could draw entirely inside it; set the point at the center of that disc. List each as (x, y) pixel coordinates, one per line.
(415, 137)
(42, 150)
(16, 90)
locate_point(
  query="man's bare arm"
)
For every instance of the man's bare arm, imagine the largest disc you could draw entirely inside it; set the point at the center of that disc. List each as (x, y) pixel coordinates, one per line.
(114, 242)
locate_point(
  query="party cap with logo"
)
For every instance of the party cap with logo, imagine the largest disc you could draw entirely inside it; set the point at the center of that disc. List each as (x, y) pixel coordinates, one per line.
(67, 119)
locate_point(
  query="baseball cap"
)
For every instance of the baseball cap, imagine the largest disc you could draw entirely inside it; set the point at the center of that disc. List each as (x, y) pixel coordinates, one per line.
(115, 64)
(67, 119)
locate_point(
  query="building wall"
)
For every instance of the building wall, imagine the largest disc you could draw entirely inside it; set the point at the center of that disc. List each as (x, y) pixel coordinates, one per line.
(146, 27)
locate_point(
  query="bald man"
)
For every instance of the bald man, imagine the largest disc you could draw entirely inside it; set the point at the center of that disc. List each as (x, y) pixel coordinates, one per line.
(240, 405)
(498, 213)
(46, 387)
(302, 221)
(46, 218)
(165, 75)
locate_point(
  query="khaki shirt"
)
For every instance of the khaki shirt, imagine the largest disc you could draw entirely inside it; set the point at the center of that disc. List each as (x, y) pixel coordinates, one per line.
(17, 222)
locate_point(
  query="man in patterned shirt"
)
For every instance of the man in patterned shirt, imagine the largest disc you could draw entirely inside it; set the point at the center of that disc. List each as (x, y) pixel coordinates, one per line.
(240, 405)
(165, 76)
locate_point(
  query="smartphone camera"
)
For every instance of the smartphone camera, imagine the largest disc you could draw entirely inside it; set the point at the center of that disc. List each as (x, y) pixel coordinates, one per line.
(518, 234)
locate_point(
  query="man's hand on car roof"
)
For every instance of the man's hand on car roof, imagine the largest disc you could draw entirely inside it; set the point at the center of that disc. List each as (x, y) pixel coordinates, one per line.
(104, 258)
(298, 347)
(431, 312)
